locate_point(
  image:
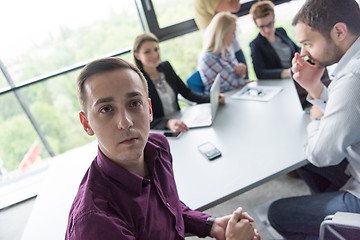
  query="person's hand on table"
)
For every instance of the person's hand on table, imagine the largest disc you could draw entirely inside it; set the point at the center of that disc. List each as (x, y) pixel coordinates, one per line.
(315, 113)
(221, 98)
(235, 226)
(240, 69)
(176, 125)
(285, 74)
(239, 227)
(219, 227)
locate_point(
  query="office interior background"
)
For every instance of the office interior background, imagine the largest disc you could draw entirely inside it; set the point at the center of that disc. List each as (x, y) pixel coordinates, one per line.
(44, 45)
(47, 44)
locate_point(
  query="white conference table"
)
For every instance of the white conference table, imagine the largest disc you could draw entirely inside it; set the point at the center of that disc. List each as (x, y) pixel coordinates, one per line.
(258, 141)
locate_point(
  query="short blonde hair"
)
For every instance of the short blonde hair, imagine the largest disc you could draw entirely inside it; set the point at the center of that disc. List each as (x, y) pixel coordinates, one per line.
(139, 40)
(215, 33)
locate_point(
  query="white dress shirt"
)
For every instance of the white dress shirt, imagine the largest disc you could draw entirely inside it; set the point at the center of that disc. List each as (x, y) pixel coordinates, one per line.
(337, 134)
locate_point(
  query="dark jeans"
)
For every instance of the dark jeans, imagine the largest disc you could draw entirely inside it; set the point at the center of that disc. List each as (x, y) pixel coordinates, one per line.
(325, 179)
(300, 217)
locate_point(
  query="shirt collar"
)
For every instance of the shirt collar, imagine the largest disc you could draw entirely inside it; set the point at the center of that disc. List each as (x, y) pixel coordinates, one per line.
(350, 53)
(131, 181)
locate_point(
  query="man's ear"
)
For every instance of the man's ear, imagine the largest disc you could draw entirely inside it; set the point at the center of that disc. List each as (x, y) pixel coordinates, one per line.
(150, 110)
(339, 32)
(84, 121)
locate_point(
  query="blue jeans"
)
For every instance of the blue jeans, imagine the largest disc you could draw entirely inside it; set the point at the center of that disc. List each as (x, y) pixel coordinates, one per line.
(325, 179)
(300, 217)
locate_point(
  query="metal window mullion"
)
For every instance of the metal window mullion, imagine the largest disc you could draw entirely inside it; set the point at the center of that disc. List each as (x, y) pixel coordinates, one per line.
(26, 110)
(185, 26)
(57, 73)
(150, 16)
(140, 16)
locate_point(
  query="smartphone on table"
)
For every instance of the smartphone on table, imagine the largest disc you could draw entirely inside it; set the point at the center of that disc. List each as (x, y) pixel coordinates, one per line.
(173, 134)
(209, 151)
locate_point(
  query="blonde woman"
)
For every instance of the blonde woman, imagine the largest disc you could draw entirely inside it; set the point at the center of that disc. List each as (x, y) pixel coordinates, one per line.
(216, 58)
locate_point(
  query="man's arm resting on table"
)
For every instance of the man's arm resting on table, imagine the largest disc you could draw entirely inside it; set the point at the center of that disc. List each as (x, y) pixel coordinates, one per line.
(330, 138)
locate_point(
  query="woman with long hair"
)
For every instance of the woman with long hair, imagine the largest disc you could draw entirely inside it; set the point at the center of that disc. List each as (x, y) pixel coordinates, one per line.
(163, 83)
(217, 59)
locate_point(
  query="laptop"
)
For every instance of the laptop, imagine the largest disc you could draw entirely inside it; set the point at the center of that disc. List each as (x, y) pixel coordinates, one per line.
(203, 115)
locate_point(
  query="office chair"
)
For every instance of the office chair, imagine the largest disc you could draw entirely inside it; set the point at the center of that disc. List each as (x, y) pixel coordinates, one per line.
(340, 220)
(194, 82)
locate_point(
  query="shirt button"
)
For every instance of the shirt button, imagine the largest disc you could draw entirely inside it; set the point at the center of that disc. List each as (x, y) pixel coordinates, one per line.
(145, 183)
(168, 204)
(179, 228)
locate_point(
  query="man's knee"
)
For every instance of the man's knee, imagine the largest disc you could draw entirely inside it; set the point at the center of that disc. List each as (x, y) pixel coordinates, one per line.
(275, 214)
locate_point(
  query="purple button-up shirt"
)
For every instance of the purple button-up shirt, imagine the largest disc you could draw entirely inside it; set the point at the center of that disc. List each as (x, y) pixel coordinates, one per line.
(113, 203)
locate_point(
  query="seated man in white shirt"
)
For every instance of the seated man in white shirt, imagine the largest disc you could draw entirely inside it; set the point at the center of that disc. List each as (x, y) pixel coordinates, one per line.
(329, 32)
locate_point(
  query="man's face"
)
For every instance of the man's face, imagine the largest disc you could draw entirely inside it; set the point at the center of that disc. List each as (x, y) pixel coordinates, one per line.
(119, 113)
(321, 51)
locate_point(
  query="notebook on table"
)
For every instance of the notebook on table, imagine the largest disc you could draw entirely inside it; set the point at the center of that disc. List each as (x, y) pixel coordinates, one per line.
(203, 115)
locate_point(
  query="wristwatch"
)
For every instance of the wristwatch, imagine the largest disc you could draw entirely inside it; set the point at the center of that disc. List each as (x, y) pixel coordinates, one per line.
(209, 223)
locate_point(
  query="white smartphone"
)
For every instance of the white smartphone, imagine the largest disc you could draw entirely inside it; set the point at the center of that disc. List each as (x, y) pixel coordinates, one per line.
(209, 151)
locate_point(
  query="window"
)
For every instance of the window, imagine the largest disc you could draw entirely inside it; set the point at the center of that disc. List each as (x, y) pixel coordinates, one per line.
(40, 120)
(170, 12)
(58, 34)
(17, 137)
(183, 58)
(3, 82)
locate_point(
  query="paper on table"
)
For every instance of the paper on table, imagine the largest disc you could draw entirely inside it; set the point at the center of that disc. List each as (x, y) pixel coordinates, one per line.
(256, 93)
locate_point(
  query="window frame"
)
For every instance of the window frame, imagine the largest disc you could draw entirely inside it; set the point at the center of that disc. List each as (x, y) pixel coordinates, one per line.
(184, 27)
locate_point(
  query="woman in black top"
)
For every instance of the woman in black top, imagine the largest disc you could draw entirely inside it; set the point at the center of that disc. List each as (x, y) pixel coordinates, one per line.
(163, 83)
(272, 50)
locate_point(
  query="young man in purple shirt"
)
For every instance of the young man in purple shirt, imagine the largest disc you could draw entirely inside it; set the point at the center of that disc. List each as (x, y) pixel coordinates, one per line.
(129, 191)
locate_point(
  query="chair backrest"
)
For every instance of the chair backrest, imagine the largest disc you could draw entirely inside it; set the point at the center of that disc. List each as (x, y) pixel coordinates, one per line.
(345, 220)
(194, 82)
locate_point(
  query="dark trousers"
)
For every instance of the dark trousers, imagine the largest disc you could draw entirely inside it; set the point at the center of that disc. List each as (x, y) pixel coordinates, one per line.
(300, 217)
